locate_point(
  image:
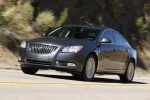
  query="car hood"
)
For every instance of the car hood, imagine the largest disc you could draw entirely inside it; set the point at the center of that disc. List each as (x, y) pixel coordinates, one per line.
(62, 41)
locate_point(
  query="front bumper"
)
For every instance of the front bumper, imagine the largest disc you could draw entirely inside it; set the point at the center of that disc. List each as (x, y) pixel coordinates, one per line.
(70, 62)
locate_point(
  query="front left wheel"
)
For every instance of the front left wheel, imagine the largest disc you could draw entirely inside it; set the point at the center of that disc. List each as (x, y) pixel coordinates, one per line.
(28, 70)
(89, 68)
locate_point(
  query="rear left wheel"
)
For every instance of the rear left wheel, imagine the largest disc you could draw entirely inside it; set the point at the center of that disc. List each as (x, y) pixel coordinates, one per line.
(127, 77)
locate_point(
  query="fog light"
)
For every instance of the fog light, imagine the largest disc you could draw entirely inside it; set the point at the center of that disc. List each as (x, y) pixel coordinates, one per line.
(57, 62)
(71, 64)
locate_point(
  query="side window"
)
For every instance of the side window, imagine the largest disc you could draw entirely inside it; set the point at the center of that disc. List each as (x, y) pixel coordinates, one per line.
(118, 38)
(107, 34)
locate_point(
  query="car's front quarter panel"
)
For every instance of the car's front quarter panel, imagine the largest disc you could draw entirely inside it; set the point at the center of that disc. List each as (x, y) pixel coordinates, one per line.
(77, 58)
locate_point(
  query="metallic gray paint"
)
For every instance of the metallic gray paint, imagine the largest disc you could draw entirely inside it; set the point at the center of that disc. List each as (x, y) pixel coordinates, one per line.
(112, 58)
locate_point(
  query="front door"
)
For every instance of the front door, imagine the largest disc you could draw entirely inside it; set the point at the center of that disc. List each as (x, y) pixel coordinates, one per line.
(106, 55)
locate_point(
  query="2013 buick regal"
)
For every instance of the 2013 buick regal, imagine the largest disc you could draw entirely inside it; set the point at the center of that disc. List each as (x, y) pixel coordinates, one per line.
(81, 51)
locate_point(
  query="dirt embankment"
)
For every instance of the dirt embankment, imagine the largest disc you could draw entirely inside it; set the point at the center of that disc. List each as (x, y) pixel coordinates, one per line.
(9, 47)
(7, 59)
(9, 42)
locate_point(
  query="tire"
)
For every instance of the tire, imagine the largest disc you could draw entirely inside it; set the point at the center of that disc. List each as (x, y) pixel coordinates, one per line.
(28, 70)
(128, 76)
(89, 68)
(76, 76)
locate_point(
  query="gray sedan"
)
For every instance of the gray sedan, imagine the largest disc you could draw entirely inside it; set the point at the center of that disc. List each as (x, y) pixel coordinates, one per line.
(81, 51)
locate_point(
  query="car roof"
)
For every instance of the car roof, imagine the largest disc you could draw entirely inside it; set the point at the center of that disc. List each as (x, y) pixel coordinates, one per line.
(88, 26)
(102, 28)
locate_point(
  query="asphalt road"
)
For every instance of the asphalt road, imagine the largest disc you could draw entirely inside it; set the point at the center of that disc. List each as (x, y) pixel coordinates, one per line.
(51, 85)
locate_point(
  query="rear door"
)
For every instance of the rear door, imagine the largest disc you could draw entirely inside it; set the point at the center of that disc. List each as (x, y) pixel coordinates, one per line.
(121, 51)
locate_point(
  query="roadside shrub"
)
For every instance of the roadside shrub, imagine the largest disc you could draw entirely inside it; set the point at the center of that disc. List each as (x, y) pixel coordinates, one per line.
(141, 26)
(45, 20)
(63, 17)
(6, 16)
(15, 18)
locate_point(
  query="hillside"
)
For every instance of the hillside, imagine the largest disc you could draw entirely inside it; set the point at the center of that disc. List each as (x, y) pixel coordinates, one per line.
(25, 19)
(7, 59)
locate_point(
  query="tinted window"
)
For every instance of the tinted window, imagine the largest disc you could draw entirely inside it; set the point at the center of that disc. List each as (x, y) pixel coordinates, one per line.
(118, 38)
(75, 32)
(59, 32)
(107, 34)
(90, 33)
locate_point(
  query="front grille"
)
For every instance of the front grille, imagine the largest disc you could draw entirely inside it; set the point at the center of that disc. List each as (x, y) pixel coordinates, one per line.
(38, 62)
(41, 48)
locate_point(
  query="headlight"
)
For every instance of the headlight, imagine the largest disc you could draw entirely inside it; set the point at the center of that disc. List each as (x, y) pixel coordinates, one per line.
(72, 49)
(23, 44)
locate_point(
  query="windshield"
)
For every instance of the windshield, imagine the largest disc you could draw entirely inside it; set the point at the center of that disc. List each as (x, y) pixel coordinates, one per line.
(74, 32)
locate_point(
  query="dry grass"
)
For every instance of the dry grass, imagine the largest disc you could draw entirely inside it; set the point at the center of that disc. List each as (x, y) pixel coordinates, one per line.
(8, 59)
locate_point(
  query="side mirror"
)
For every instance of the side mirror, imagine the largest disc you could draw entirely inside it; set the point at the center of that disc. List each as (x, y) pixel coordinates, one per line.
(105, 40)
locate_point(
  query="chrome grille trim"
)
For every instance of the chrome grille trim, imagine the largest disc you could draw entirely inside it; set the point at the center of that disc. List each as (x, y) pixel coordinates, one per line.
(41, 48)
